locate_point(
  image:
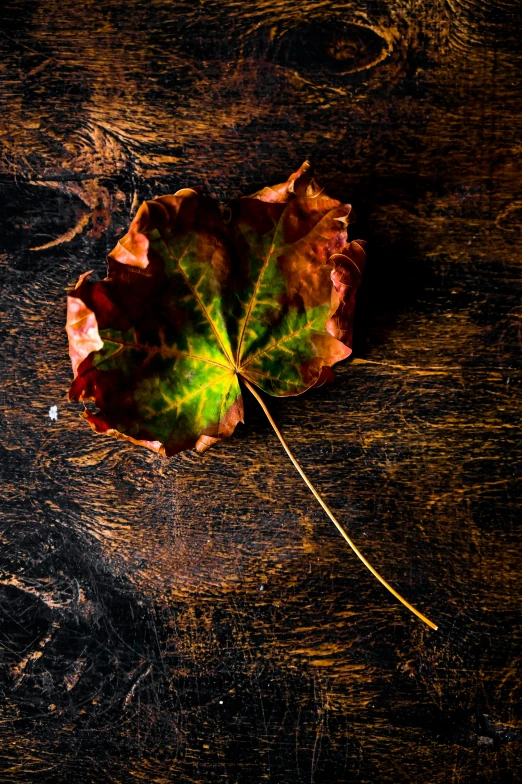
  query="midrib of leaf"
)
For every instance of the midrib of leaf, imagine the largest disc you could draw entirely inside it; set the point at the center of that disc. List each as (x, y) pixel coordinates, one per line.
(271, 347)
(190, 395)
(198, 298)
(165, 352)
(273, 378)
(200, 406)
(266, 262)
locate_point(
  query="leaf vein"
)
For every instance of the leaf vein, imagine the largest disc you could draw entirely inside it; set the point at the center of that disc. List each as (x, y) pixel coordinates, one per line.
(190, 395)
(267, 350)
(197, 296)
(165, 351)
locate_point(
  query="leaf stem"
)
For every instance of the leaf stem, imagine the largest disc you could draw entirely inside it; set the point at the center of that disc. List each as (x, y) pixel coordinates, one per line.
(330, 514)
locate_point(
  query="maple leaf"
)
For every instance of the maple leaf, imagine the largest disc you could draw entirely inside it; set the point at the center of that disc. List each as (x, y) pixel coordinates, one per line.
(190, 306)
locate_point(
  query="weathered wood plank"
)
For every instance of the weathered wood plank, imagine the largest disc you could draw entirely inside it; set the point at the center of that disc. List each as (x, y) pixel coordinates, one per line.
(197, 619)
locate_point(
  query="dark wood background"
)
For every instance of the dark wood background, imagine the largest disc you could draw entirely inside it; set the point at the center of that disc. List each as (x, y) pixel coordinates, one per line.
(198, 619)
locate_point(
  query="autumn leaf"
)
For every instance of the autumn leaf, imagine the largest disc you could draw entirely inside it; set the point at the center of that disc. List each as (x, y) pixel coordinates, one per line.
(190, 306)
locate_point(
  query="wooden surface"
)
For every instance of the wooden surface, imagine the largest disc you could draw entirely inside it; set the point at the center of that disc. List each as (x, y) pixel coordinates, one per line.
(199, 620)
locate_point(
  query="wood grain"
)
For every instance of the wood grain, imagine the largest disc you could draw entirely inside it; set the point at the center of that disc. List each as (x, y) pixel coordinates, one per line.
(197, 619)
